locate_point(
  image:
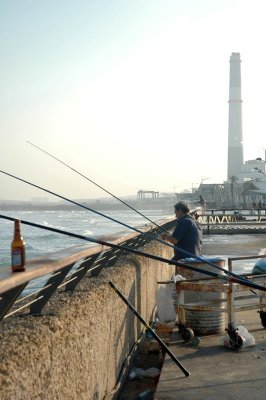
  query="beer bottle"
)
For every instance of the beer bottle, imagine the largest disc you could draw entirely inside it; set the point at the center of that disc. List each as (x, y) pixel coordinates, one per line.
(18, 249)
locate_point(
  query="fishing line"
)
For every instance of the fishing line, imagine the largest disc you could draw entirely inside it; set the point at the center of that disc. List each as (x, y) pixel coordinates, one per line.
(152, 237)
(132, 208)
(139, 253)
(96, 184)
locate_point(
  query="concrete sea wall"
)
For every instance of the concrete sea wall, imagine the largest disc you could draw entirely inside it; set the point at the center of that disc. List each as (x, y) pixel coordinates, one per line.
(77, 348)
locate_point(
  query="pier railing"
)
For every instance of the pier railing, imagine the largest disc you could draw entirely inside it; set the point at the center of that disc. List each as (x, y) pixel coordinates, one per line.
(217, 221)
(30, 290)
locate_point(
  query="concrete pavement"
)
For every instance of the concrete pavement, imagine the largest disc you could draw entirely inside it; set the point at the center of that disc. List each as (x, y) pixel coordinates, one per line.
(216, 372)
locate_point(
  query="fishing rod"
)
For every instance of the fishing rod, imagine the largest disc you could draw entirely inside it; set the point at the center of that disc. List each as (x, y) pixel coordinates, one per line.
(131, 207)
(152, 331)
(96, 184)
(126, 225)
(139, 253)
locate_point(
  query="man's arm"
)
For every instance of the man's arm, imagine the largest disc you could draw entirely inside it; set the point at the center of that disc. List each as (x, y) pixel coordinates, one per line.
(169, 238)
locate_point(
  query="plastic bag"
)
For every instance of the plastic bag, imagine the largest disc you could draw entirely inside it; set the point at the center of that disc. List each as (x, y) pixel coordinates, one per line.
(260, 266)
(247, 339)
(164, 300)
(181, 297)
(139, 373)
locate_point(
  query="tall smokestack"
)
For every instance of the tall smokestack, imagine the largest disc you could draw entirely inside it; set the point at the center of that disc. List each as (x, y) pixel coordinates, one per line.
(235, 146)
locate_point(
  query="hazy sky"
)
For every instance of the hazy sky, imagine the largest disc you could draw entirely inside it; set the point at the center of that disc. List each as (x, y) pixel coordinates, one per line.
(132, 93)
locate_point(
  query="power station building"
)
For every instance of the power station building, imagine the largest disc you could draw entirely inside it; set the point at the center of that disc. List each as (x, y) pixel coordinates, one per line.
(246, 181)
(236, 168)
(235, 135)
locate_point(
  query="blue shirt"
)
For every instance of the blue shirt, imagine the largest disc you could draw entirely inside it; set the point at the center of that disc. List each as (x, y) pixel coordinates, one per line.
(188, 233)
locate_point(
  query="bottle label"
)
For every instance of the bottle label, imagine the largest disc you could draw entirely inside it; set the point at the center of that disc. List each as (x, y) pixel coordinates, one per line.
(16, 258)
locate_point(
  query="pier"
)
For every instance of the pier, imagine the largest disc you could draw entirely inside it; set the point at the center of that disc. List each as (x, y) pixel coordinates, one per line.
(217, 221)
(216, 372)
(70, 335)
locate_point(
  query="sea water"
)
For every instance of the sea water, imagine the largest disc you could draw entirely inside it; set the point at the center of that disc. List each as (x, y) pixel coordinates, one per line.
(40, 242)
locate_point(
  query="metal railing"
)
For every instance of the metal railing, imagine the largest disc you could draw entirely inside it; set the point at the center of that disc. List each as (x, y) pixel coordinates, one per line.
(217, 220)
(30, 290)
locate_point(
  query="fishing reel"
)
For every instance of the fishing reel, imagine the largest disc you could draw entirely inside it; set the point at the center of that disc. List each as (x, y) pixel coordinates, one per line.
(236, 341)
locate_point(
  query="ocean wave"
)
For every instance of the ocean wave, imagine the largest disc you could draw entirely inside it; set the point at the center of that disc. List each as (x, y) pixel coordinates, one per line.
(40, 241)
(44, 236)
(91, 221)
(6, 260)
(87, 233)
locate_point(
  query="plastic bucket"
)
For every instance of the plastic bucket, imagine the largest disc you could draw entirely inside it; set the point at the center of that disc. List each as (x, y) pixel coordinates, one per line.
(201, 321)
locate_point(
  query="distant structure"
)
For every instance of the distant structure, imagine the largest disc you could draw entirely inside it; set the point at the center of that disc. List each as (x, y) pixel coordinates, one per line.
(246, 180)
(235, 145)
(142, 193)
